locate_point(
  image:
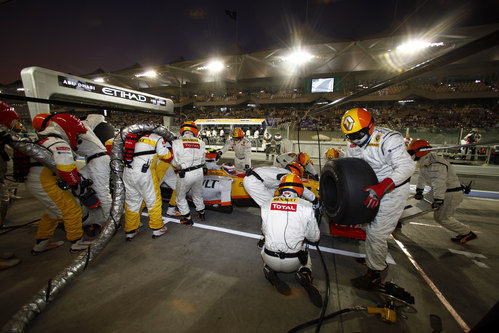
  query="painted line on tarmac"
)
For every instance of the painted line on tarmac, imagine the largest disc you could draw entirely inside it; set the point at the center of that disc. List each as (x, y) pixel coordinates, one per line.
(389, 258)
(436, 226)
(472, 256)
(433, 287)
(426, 225)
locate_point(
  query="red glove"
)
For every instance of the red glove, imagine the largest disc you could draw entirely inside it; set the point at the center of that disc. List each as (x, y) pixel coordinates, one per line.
(376, 192)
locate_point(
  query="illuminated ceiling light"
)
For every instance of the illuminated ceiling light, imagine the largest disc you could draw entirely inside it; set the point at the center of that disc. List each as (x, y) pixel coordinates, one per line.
(99, 79)
(416, 45)
(213, 66)
(147, 74)
(20, 89)
(298, 57)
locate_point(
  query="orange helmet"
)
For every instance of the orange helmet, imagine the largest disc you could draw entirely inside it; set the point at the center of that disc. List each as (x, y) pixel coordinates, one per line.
(189, 126)
(357, 123)
(9, 117)
(39, 122)
(237, 133)
(303, 159)
(414, 148)
(71, 125)
(295, 168)
(332, 154)
(291, 182)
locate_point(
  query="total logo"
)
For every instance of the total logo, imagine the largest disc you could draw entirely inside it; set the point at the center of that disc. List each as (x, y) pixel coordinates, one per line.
(283, 207)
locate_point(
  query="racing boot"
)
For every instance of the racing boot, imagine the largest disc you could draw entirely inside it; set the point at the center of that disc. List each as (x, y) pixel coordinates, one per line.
(172, 211)
(304, 277)
(370, 281)
(201, 215)
(131, 235)
(461, 239)
(79, 245)
(278, 284)
(186, 220)
(156, 233)
(43, 245)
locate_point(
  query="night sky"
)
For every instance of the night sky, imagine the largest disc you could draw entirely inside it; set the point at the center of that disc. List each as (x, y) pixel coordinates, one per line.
(80, 36)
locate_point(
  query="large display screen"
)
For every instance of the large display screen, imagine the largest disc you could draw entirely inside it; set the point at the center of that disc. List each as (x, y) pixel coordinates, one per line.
(323, 85)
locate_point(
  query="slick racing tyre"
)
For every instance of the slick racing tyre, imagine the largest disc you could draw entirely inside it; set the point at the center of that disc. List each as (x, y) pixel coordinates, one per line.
(342, 184)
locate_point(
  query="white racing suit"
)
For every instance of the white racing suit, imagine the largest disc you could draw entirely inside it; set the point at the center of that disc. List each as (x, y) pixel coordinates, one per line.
(97, 168)
(42, 183)
(188, 160)
(285, 159)
(142, 184)
(262, 183)
(286, 223)
(437, 172)
(386, 153)
(242, 151)
(94, 121)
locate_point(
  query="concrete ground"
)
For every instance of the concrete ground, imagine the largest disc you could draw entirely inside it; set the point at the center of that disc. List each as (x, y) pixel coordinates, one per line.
(208, 277)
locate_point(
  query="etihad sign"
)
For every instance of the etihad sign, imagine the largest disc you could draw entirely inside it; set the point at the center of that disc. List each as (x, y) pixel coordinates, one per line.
(108, 91)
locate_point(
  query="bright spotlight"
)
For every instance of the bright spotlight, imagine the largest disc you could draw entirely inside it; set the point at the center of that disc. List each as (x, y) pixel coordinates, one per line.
(147, 74)
(20, 89)
(99, 79)
(215, 66)
(416, 45)
(298, 57)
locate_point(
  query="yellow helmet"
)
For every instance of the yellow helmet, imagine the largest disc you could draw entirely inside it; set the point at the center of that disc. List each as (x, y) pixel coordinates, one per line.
(291, 182)
(237, 133)
(332, 154)
(356, 123)
(295, 168)
(189, 126)
(303, 159)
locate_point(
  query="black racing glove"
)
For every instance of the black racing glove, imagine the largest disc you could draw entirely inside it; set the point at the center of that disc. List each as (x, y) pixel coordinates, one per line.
(419, 194)
(437, 203)
(246, 167)
(248, 171)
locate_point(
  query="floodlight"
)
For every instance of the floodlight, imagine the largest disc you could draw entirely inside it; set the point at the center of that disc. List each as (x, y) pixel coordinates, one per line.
(298, 57)
(416, 45)
(99, 79)
(20, 89)
(147, 74)
(215, 66)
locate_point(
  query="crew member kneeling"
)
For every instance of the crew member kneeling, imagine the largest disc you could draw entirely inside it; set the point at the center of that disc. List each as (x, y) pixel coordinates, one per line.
(188, 160)
(287, 220)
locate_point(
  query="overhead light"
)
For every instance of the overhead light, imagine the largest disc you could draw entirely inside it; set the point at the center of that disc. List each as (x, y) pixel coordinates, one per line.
(416, 45)
(477, 81)
(298, 57)
(99, 79)
(147, 74)
(213, 66)
(20, 89)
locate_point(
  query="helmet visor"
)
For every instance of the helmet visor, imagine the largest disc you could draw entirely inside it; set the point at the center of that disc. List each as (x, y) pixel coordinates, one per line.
(356, 136)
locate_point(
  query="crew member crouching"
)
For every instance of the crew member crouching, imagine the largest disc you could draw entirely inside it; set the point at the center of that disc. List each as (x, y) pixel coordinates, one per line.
(287, 221)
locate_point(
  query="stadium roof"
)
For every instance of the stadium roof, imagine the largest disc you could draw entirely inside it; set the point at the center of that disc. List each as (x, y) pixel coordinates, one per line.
(377, 55)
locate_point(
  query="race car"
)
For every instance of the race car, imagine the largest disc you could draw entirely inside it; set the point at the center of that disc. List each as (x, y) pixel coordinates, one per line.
(223, 186)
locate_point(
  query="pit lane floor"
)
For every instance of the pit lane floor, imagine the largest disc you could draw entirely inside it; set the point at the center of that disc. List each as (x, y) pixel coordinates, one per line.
(203, 280)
